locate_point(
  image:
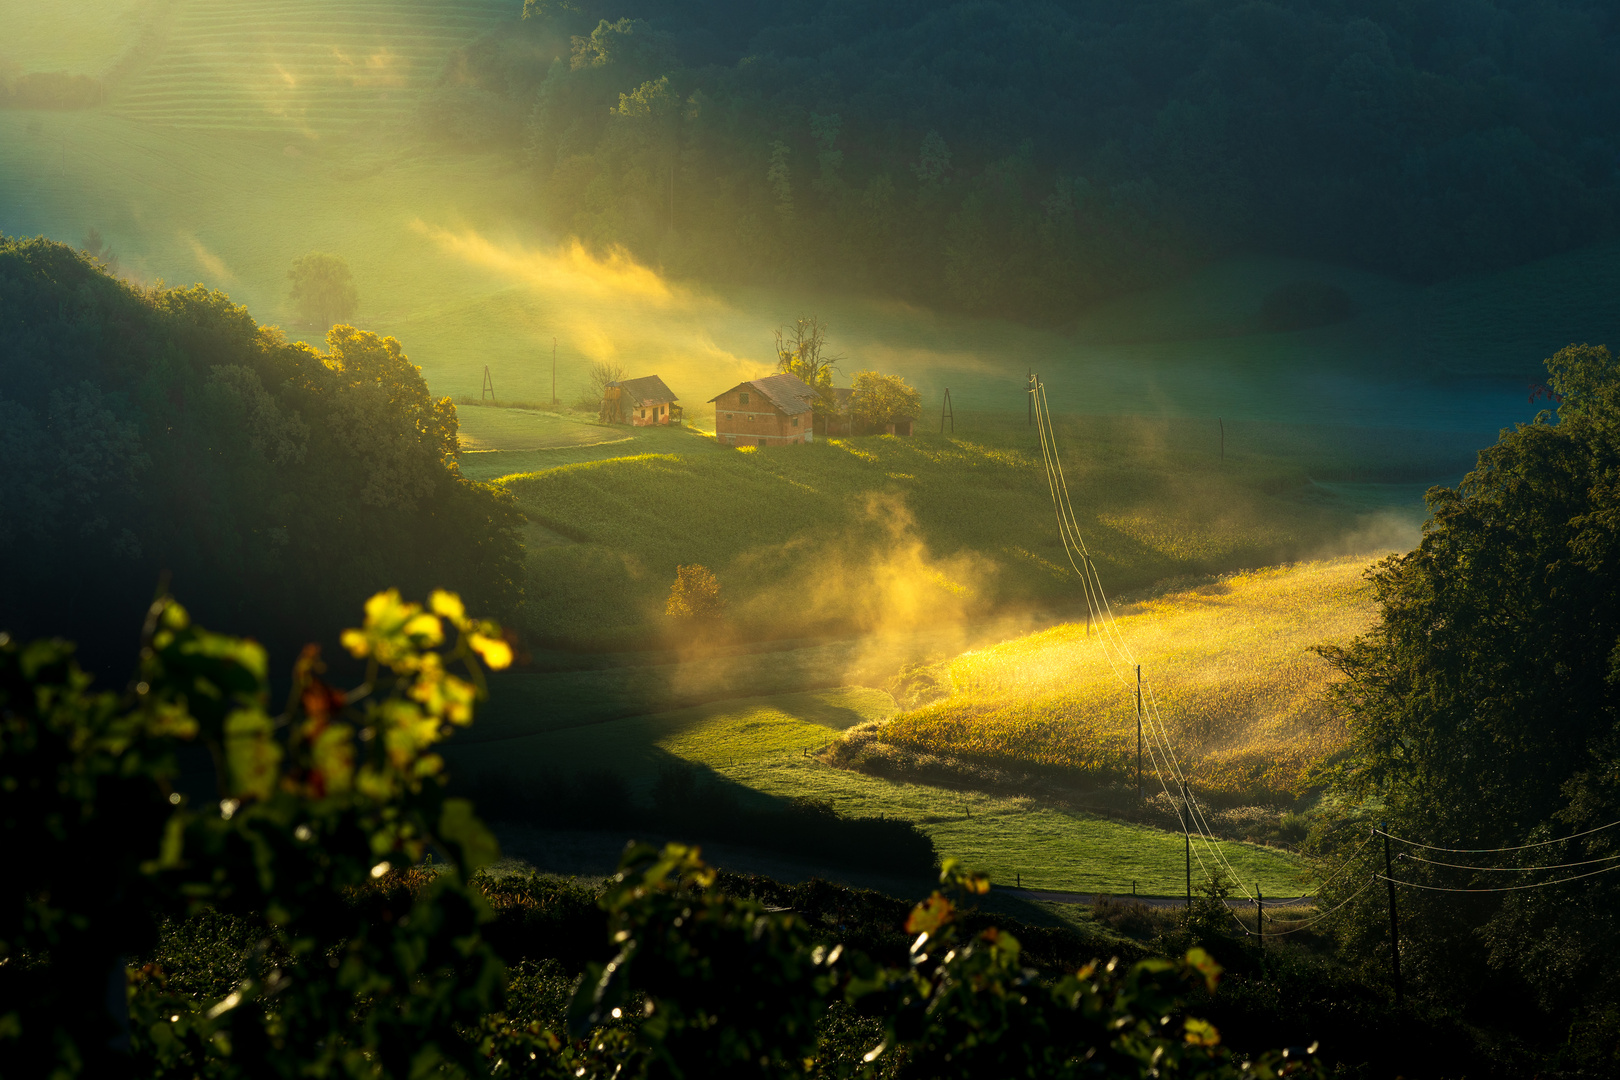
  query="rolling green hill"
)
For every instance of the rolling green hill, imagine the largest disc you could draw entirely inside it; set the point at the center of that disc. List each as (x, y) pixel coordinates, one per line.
(886, 533)
(304, 68)
(763, 745)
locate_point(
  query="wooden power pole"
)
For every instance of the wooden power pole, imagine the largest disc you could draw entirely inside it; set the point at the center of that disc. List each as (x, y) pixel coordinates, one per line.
(488, 392)
(1186, 838)
(1138, 730)
(1394, 924)
(946, 409)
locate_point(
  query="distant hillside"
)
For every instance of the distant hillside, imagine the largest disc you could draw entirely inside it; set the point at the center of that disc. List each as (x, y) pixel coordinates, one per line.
(1025, 158)
(300, 67)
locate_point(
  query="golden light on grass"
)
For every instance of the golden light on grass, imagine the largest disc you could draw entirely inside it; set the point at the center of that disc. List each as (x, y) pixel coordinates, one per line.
(220, 275)
(1233, 663)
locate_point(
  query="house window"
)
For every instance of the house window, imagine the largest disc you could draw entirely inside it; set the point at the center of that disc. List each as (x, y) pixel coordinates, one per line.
(742, 399)
(795, 421)
(728, 416)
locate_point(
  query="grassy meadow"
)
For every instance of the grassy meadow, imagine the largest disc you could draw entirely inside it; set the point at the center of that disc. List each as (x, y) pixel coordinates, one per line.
(765, 746)
(1231, 664)
(880, 533)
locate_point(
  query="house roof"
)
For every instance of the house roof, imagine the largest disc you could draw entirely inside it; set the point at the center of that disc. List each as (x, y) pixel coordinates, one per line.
(787, 392)
(648, 390)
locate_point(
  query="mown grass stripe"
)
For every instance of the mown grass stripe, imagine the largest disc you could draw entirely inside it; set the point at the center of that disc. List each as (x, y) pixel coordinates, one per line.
(299, 63)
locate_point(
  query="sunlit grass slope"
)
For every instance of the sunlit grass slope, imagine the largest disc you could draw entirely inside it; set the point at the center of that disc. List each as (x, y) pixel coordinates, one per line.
(305, 67)
(1232, 664)
(889, 532)
(765, 746)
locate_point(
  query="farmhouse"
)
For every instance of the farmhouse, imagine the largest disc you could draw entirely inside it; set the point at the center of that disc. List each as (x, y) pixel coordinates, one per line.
(643, 402)
(771, 411)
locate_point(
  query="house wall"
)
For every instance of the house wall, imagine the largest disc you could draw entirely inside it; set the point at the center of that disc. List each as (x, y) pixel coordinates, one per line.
(739, 424)
(649, 415)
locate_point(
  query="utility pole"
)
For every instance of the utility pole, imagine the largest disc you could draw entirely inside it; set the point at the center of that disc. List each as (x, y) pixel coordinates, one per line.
(489, 387)
(1394, 924)
(1186, 837)
(554, 372)
(946, 407)
(1138, 731)
(1260, 917)
(1032, 397)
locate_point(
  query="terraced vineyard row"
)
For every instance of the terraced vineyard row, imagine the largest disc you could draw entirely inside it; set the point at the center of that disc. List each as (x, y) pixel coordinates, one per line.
(301, 66)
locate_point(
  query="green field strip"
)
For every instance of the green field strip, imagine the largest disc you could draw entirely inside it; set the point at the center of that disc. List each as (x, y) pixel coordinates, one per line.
(764, 745)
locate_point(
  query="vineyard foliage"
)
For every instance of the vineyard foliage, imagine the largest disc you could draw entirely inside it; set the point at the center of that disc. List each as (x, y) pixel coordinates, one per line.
(1232, 664)
(320, 916)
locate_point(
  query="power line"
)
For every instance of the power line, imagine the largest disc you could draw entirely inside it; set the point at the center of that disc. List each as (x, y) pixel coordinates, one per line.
(1097, 603)
(1325, 914)
(1113, 645)
(1493, 850)
(1503, 888)
(1354, 855)
(1510, 869)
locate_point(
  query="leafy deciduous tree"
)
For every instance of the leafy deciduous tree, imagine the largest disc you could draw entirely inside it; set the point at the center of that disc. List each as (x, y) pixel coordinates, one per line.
(884, 399)
(1485, 706)
(695, 595)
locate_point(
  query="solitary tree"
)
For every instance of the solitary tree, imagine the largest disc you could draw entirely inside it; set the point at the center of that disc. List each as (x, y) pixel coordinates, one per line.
(800, 351)
(695, 596)
(884, 399)
(599, 374)
(323, 289)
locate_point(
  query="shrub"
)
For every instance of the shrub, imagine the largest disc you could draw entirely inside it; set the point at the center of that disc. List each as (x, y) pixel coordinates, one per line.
(695, 596)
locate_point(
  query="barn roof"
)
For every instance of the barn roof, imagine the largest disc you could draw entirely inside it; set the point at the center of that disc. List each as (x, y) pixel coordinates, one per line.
(648, 390)
(786, 392)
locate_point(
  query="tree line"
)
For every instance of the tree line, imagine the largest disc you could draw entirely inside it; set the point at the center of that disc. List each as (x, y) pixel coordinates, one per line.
(158, 433)
(1025, 159)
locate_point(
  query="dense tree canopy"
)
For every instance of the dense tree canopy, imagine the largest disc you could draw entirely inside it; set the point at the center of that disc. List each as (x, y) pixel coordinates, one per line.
(1486, 711)
(164, 431)
(883, 399)
(1022, 157)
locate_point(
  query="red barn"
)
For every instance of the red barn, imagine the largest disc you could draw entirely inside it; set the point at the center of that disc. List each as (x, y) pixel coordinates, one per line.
(772, 411)
(642, 402)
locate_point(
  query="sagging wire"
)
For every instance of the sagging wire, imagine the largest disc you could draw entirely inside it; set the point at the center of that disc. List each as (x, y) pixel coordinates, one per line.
(1510, 869)
(1502, 888)
(1097, 605)
(1494, 850)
